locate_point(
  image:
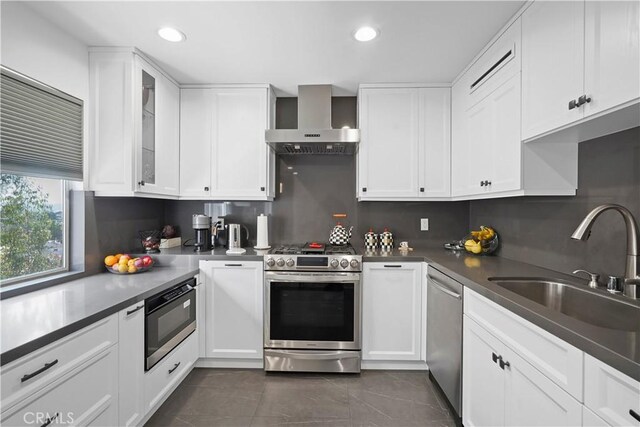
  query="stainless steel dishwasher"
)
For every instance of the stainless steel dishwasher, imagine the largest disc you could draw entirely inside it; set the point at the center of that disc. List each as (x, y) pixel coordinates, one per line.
(444, 335)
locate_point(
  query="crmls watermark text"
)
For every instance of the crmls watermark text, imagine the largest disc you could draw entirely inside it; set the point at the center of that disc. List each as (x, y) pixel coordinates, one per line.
(48, 418)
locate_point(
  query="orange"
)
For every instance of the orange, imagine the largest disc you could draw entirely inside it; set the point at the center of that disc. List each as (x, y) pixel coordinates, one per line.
(117, 257)
(110, 260)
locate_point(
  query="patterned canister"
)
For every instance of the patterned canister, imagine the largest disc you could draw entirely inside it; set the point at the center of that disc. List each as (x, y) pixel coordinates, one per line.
(370, 240)
(386, 240)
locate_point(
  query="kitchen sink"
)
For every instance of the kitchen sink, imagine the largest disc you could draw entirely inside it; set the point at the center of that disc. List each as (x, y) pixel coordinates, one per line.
(573, 301)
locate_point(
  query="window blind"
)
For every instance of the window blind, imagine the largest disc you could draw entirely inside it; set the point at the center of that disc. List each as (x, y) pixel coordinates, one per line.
(40, 129)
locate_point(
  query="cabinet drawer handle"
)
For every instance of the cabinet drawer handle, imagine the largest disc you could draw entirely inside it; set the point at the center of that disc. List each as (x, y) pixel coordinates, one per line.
(392, 266)
(584, 99)
(261, 188)
(573, 104)
(481, 183)
(494, 357)
(141, 183)
(130, 312)
(634, 414)
(174, 368)
(206, 188)
(50, 420)
(503, 363)
(422, 189)
(39, 371)
(364, 189)
(233, 265)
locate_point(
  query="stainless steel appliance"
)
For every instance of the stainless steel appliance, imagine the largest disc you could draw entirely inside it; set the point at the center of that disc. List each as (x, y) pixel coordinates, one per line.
(235, 239)
(314, 134)
(312, 316)
(444, 336)
(202, 227)
(170, 317)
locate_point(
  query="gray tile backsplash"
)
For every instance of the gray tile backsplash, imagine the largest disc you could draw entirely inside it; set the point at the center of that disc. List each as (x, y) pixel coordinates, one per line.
(537, 230)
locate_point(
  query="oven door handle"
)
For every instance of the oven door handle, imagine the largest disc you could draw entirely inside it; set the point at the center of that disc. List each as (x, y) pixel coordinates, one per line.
(315, 355)
(313, 277)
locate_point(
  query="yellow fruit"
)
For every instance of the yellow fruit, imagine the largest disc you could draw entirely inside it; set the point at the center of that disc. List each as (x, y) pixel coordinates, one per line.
(110, 260)
(123, 261)
(130, 262)
(472, 262)
(117, 256)
(132, 269)
(123, 268)
(473, 246)
(477, 248)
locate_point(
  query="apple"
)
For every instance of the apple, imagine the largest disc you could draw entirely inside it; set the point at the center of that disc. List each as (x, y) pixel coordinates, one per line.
(147, 260)
(138, 263)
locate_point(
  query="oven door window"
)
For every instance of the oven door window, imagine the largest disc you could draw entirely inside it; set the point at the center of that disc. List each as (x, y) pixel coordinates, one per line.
(303, 311)
(168, 320)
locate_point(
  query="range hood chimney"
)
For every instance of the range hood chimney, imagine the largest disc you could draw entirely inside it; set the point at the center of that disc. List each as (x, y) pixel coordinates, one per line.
(314, 134)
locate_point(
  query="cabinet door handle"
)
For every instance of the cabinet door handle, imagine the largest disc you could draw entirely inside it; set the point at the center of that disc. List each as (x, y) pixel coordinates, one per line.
(50, 420)
(206, 188)
(261, 188)
(422, 189)
(392, 266)
(481, 183)
(573, 104)
(634, 414)
(487, 183)
(130, 312)
(503, 363)
(141, 183)
(174, 368)
(494, 357)
(233, 265)
(584, 99)
(39, 371)
(364, 189)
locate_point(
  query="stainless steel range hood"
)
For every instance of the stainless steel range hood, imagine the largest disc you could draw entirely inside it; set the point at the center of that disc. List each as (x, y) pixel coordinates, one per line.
(314, 134)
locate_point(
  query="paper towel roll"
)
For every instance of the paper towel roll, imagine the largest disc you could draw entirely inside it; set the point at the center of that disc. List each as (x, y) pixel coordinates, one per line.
(262, 239)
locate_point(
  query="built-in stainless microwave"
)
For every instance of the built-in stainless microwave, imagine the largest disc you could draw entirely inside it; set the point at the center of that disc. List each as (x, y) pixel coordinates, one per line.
(170, 317)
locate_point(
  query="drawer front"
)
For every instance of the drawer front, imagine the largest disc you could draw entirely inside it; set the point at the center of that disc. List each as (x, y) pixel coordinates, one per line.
(556, 359)
(589, 419)
(165, 375)
(85, 396)
(610, 393)
(32, 372)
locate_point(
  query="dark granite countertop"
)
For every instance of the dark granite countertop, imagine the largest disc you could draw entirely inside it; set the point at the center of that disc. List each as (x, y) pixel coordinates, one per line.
(620, 349)
(31, 321)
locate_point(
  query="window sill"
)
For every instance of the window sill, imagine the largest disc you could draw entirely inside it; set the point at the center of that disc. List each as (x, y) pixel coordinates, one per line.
(27, 286)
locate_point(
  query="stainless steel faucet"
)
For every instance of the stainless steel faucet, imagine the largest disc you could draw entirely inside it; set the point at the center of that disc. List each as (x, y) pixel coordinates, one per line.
(631, 276)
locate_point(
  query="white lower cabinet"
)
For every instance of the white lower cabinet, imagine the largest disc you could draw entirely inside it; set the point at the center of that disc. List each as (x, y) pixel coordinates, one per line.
(167, 374)
(393, 312)
(500, 388)
(234, 301)
(82, 391)
(589, 419)
(131, 365)
(610, 394)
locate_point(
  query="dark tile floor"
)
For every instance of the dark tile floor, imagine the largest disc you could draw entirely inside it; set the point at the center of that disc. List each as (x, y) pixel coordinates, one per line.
(235, 397)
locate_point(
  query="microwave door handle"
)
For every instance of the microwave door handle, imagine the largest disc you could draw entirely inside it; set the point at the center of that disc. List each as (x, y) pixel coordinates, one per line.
(164, 304)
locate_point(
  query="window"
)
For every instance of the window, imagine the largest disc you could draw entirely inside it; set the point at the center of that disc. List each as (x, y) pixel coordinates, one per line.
(41, 132)
(33, 227)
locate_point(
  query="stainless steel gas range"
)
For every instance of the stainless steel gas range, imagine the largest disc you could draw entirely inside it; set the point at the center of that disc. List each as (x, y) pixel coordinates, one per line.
(312, 316)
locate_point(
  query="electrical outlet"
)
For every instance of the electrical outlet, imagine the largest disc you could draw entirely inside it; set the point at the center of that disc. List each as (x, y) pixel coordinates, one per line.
(424, 224)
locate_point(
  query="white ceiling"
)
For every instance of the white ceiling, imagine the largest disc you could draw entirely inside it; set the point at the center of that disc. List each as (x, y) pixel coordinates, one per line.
(290, 43)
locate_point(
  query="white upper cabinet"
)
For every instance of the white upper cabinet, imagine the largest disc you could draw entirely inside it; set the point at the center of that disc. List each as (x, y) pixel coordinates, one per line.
(405, 139)
(580, 59)
(612, 54)
(133, 126)
(552, 65)
(486, 146)
(223, 151)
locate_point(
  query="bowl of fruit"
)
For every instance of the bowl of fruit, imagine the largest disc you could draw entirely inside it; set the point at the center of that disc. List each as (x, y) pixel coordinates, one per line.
(481, 242)
(125, 264)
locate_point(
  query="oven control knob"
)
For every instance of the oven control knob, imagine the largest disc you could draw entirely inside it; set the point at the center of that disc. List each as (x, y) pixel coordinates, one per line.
(354, 263)
(334, 263)
(344, 263)
(280, 262)
(270, 262)
(290, 262)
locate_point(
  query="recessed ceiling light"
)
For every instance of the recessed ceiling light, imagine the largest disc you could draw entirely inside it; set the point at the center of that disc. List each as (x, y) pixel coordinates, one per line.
(365, 34)
(171, 34)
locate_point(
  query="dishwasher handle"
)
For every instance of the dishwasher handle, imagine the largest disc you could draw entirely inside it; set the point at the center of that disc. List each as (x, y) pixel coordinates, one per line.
(445, 290)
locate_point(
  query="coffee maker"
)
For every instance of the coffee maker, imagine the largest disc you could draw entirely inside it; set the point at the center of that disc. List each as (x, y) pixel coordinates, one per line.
(202, 227)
